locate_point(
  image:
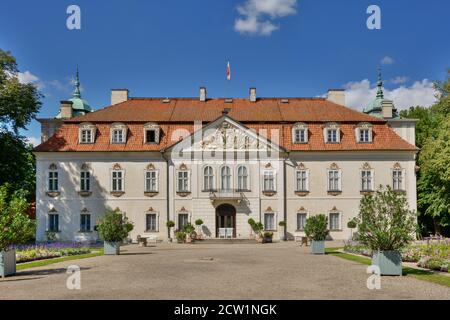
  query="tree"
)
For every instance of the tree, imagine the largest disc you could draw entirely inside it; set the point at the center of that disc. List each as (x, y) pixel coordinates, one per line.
(15, 226)
(434, 181)
(19, 104)
(114, 227)
(385, 222)
(316, 227)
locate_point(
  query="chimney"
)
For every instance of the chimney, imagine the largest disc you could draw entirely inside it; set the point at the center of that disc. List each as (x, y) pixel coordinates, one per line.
(66, 109)
(387, 108)
(336, 96)
(118, 96)
(202, 94)
(253, 94)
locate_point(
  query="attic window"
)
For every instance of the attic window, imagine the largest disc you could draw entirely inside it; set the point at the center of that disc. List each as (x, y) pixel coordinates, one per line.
(284, 100)
(151, 133)
(167, 100)
(364, 133)
(229, 100)
(86, 133)
(332, 133)
(118, 133)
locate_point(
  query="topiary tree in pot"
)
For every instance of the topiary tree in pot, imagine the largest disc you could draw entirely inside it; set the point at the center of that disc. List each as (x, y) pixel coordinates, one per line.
(257, 228)
(316, 229)
(15, 227)
(386, 225)
(189, 230)
(352, 224)
(251, 222)
(170, 224)
(113, 228)
(199, 223)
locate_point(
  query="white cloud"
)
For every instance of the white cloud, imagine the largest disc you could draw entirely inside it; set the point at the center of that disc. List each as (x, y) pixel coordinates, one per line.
(27, 77)
(257, 16)
(399, 80)
(387, 60)
(34, 141)
(420, 93)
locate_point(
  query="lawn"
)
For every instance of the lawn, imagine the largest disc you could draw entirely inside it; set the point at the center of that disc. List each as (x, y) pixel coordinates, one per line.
(41, 263)
(407, 271)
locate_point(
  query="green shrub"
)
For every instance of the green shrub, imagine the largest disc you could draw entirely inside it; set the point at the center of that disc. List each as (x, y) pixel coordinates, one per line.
(113, 227)
(257, 228)
(251, 222)
(352, 224)
(384, 221)
(268, 235)
(198, 222)
(282, 223)
(188, 228)
(181, 236)
(170, 224)
(316, 227)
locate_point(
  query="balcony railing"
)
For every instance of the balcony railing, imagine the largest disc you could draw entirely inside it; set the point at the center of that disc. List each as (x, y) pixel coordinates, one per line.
(226, 194)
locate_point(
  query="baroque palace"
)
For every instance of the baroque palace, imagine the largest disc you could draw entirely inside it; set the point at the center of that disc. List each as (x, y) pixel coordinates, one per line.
(220, 160)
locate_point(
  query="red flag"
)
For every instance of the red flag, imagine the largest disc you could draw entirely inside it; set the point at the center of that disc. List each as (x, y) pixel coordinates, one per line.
(228, 71)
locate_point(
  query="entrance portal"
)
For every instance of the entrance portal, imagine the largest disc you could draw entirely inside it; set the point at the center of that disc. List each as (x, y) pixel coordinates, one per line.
(226, 221)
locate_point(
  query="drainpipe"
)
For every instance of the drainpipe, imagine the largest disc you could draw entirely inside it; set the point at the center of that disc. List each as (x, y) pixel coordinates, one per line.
(167, 190)
(285, 195)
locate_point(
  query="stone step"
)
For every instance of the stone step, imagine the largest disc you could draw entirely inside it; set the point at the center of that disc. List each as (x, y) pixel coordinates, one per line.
(226, 241)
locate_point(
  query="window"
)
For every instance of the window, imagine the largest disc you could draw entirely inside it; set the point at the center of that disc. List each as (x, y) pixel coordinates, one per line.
(269, 181)
(151, 133)
(86, 136)
(151, 181)
(332, 136)
(269, 221)
(242, 178)
(334, 180)
(150, 136)
(85, 222)
(208, 178)
(183, 219)
(226, 178)
(364, 135)
(53, 179)
(151, 222)
(300, 133)
(86, 133)
(335, 221)
(183, 181)
(117, 136)
(117, 181)
(301, 221)
(366, 180)
(85, 181)
(397, 179)
(53, 222)
(301, 180)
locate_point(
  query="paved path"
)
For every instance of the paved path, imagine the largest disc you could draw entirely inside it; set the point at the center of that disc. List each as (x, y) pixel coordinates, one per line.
(239, 271)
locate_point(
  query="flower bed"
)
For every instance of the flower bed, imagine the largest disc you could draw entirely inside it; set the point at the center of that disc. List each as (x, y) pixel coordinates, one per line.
(433, 256)
(35, 252)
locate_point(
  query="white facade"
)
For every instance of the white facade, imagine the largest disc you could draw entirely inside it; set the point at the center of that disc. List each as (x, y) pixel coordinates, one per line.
(269, 186)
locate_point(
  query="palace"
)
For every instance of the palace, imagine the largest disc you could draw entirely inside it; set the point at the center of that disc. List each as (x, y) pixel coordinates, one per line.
(220, 160)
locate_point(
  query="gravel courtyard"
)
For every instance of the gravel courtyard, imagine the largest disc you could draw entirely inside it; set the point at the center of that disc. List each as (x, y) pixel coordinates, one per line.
(214, 271)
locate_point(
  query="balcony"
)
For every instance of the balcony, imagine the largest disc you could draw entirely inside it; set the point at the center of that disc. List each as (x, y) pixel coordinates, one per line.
(228, 194)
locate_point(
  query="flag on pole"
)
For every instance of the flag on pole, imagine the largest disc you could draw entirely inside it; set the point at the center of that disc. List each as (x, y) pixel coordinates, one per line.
(228, 71)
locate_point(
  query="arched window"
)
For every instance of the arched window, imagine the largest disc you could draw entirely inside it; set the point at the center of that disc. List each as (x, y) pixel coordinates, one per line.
(208, 178)
(242, 178)
(53, 178)
(226, 178)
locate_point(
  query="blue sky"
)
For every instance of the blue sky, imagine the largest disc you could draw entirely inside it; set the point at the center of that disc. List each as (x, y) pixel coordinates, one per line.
(283, 47)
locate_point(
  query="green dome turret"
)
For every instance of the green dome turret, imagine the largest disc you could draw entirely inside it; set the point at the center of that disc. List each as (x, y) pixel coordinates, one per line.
(375, 108)
(80, 106)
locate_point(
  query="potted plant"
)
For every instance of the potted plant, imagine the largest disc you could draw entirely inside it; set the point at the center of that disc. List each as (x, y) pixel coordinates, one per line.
(352, 224)
(268, 236)
(316, 229)
(199, 223)
(113, 229)
(15, 227)
(190, 233)
(170, 224)
(181, 236)
(258, 227)
(386, 225)
(251, 222)
(282, 225)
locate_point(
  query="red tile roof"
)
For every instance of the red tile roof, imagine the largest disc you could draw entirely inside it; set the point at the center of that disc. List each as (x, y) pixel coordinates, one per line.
(176, 120)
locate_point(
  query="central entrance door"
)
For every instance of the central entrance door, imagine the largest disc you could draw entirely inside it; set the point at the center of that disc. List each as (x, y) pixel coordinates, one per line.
(225, 220)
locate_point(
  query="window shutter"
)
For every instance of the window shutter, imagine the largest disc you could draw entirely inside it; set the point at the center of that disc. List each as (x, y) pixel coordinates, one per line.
(340, 179)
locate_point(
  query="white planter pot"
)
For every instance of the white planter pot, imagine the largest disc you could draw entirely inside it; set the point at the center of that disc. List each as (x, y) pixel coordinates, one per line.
(7, 263)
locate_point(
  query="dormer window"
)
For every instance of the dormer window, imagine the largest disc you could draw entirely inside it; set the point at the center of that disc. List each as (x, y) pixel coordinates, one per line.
(364, 133)
(300, 133)
(118, 133)
(87, 133)
(151, 133)
(332, 133)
